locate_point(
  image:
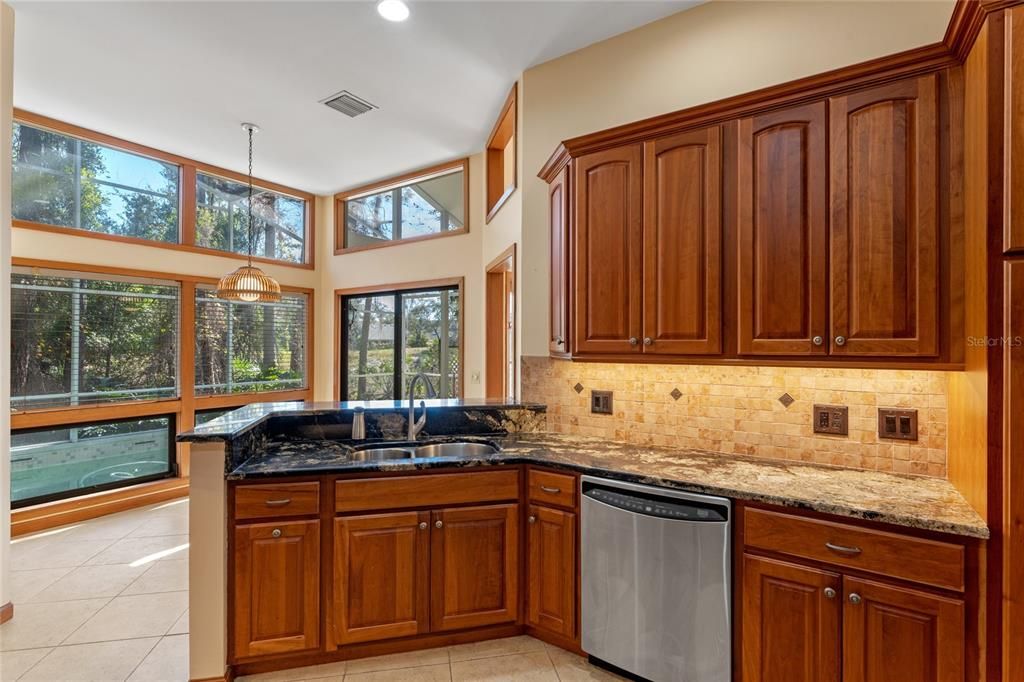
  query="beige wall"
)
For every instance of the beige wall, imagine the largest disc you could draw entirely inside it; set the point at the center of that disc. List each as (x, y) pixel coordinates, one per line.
(704, 54)
(456, 256)
(6, 109)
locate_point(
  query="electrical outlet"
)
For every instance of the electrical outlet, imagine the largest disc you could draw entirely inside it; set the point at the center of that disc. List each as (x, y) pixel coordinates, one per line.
(897, 424)
(601, 402)
(832, 419)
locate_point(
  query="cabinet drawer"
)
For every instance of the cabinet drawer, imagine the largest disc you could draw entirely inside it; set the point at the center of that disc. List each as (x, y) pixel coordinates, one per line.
(428, 490)
(924, 561)
(558, 490)
(276, 499)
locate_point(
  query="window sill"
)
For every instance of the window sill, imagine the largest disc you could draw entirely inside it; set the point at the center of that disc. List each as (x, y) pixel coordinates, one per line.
(188, 248)
(76, 509)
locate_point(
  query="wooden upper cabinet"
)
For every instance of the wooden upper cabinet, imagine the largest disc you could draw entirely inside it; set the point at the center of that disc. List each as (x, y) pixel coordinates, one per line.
(782, 185)
(790, 623)
(381, 580)
(682, 243)
(884, 145)
(474, 571)
(277, 588)
(551, 570)
(894, 633)
(608, 243)
(558, 215)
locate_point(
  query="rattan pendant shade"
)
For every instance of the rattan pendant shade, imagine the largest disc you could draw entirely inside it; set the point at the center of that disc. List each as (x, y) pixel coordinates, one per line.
(248, 283)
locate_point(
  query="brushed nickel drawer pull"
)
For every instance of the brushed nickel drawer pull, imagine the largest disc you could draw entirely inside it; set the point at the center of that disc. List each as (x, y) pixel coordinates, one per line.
(278, 503)
(842, 549)
(276, 533)
(553, 491)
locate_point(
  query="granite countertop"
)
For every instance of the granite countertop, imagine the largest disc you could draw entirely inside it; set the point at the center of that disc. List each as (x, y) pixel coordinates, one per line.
(904, 500)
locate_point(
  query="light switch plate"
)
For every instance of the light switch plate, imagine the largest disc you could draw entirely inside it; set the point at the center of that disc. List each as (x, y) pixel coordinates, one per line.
(601, 402)
(897, 424)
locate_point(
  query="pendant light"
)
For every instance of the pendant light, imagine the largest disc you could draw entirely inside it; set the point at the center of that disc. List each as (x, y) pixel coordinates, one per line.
(249, 283)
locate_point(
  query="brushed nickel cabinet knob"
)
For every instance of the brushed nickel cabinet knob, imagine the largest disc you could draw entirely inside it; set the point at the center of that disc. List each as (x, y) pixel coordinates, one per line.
(633, 341)
(648, 341)
(830, 593)
(840, 340)
(818, 340)
(854, 598)
(276, 533)
(532, 519)
(423, 525)
(438, 524)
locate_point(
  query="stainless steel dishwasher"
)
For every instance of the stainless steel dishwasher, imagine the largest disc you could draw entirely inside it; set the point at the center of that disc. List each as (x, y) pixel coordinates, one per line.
(656, 581)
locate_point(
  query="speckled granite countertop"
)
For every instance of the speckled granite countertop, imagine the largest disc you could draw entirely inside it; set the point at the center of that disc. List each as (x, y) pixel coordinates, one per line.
(903, 500)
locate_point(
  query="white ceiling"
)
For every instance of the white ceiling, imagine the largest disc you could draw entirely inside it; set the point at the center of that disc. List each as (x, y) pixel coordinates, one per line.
(182, 76)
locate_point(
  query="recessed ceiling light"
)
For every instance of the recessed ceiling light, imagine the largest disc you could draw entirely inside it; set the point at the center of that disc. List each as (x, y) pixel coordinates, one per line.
(393, 10)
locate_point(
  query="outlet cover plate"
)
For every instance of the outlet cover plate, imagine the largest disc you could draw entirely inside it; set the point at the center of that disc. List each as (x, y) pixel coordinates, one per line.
(601, 402)
(832, 419)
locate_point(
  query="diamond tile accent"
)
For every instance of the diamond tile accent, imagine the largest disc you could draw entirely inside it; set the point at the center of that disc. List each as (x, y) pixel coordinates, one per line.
(786, 399)
(578, 387)
(676, 394)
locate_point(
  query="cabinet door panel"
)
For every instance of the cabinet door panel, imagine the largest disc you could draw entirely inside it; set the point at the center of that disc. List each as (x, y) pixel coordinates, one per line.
(277, 588)
(558, 203)
(381, 565)
(682, 238)
(885, 223)
(474, 569)
(894, 633)
(783, 233)
(1014, 143)
(551, 546)
(790, 627)
(608, 250)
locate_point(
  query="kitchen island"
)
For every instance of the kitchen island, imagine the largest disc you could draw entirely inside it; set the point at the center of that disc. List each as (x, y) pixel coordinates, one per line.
(337, 497)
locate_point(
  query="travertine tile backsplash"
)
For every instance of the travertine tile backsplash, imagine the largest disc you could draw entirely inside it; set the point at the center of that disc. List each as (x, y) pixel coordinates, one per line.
(737, 410)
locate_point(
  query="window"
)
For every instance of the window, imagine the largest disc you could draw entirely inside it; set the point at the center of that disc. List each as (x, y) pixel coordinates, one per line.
(103, 187)
(390, 337)
(431, 204)
(501, 157)
(69, 182)
(222, 220)
(248, 347)
(55, 463)
(76, 339)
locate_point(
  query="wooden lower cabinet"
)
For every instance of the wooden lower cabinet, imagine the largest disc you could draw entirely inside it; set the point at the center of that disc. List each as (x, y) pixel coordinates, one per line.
(381, 576)
(790, 622)
(551, 570)
(276, 588)
(896, 633)
(474, 572)
(804, 624)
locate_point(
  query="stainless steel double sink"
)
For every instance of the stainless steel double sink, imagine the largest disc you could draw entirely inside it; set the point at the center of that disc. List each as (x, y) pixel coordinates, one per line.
(398, 451)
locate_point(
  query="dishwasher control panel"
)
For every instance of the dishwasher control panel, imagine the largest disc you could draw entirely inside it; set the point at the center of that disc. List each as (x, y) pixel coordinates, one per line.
(652, 505)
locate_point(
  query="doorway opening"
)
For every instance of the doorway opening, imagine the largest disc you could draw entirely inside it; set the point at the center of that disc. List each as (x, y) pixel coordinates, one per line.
(501, 326)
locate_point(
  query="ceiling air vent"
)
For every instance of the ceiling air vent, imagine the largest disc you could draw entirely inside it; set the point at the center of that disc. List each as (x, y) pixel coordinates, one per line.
(348, 104)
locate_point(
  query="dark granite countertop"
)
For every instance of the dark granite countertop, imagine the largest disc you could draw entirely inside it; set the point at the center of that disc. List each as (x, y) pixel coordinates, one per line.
(238, 421)
(904, 500)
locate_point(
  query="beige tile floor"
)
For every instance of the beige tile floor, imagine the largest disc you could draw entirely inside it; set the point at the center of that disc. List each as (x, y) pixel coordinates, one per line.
(107, 600)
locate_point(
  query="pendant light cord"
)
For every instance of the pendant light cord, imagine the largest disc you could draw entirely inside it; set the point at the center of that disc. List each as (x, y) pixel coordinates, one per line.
(252, 233)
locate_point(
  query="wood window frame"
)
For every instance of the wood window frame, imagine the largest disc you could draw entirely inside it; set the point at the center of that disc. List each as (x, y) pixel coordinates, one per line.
(393, 183)
(340, 294)
(188, 170)
(504, 130)
(185, 406)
